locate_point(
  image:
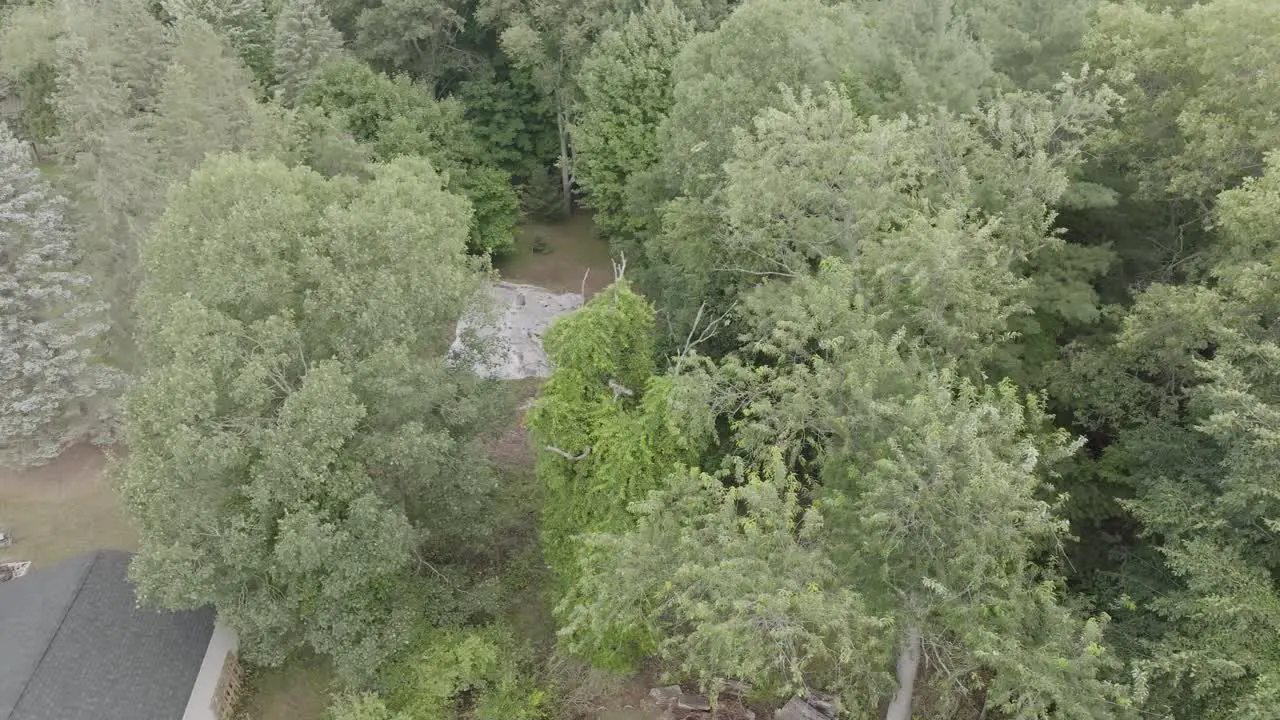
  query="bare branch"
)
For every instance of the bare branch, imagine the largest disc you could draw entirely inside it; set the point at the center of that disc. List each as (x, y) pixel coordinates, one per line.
(707, 333)
(567, 456)
(758, 273)
(584, 285)
(620, 389)
(620, 268)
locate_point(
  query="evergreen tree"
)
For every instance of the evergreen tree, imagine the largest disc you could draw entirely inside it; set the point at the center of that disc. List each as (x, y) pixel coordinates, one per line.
(129, 132)
(244, 24)
(304, 40)
(207, 105)
(51, 385)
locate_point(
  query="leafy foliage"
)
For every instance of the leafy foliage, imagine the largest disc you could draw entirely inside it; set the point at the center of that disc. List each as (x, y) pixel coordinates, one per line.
(626, 92)
(244, 24)
(481, 673)
(1194, 415)
(366, 706)
(605, 410)
(1199, 108)
(397, 118)
(425, 39)
(948, 249)
(727, 582)
(872, 236)
(292, 446)
(514, 125)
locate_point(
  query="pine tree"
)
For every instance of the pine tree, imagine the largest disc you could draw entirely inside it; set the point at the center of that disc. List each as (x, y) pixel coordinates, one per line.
(48, 376)
(304, 40)
(207, 104)
(242, 23)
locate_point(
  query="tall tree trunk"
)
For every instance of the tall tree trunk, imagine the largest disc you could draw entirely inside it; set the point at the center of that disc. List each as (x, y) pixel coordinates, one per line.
(908, 666)
(566, 186)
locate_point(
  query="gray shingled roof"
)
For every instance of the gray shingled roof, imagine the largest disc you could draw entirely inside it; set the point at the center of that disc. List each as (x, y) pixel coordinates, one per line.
(75, 646)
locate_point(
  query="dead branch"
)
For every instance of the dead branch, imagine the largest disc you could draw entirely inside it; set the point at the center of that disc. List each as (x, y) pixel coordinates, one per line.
(584, 285)
(620, 268)
(707, 333)
(620, 389)
(757, 273)
(567, 456)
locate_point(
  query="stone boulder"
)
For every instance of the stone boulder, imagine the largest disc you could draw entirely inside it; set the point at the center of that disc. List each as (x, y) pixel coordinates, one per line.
(522, 313)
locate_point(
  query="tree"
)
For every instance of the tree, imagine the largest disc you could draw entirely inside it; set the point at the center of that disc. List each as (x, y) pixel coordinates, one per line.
(626, 91)
(131, 130)
(1032, 42)
(724, 78)
(604, 422)
(304, 40)
(49, 323)
(1187, 388)
(299, 443)
(513, 122)
(899, 458)
(27, 62)
(366, 706)
(1198, 109)
(397, 117)
(549, 39)
(426, 39)
(947, 219)
(727, 578)
(207, 104)
(244, 25)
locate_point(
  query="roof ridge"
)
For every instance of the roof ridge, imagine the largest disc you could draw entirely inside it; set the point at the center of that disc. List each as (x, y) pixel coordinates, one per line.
(84, 576)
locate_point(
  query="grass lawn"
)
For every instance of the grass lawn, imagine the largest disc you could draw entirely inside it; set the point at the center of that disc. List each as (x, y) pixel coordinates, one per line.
(569, 249)
(298, 690)
(62, 510)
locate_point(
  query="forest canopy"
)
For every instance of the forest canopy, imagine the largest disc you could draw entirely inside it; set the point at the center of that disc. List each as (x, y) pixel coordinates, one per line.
(939, 370)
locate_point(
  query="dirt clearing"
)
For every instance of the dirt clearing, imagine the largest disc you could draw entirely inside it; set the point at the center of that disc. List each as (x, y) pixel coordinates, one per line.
(63, 509)
(555, 256)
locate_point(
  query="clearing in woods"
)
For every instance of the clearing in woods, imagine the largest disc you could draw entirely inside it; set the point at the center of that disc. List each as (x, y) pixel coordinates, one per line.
(557, 255)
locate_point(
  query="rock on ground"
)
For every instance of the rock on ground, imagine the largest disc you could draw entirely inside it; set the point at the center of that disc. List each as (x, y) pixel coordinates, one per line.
(523, 314)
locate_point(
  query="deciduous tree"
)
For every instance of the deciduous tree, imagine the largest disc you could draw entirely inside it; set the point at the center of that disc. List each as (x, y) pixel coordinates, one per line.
(933, 495)
(1196, 81)
(603, 422)
(626, 92)
(299, 442)
(1188, 389)
(397, 117)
